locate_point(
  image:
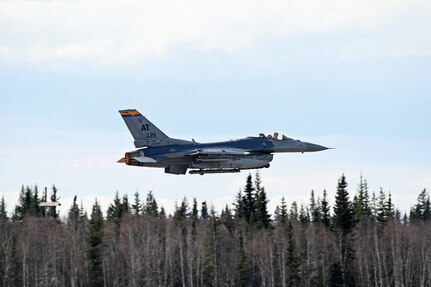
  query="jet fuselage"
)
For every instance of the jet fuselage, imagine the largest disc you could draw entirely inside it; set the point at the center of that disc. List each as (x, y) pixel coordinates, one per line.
(176, 156)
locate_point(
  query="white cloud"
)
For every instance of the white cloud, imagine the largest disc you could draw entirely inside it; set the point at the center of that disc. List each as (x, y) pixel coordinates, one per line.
(131, 32)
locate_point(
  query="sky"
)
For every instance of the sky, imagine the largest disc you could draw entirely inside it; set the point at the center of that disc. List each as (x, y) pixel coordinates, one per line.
(353, 75)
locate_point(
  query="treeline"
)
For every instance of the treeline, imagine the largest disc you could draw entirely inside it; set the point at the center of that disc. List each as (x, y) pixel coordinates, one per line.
(362, 241)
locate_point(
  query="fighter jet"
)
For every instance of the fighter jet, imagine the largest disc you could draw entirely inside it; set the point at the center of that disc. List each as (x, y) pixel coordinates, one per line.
(176, 156)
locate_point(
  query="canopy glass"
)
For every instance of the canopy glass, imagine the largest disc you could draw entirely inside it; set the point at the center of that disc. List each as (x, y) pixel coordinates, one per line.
(273, 136)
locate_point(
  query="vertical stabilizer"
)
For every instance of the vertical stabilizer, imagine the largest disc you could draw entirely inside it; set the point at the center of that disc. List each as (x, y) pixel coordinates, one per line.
(143, 131)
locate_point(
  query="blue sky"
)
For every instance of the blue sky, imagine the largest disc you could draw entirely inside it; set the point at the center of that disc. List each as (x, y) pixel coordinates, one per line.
(354, 75)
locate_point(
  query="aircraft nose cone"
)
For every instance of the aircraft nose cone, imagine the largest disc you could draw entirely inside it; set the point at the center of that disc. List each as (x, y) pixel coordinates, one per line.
(315, 147)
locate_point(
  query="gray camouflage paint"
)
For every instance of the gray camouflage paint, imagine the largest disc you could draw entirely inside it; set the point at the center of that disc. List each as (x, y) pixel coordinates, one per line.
(156, 149)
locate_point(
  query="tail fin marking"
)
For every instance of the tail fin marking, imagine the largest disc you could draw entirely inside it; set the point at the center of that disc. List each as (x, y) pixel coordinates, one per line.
(143, 131)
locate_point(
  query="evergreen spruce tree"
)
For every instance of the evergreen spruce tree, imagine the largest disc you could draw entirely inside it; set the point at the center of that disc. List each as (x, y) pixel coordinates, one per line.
(115, 210)
(195, 211)
(361, 204)
(162, 212)
(181, 212)
(239, 206)
(412, 215)
(204, 210)
(82, 213)
(390, 209)
(28, 204)
(257, 182)
(151, 206)
(325, 211)
(343, 223)
(194, 215)
(426, 215)
(397, 215)
(94, 249)
(343, 211)
(3, 212)
(381, 207)
(73, 218)
(304, 217)
(262, 217)
(314, 208)
(34, 209)
(136, 208)
(421, 205)
(24, 203)
(118, 209)
(125, 208)
(249, 206)
(281, 212)
(294, 211)
(226, 218)
(421, 211)
(405, 218)
(366, 210)
(277, 213)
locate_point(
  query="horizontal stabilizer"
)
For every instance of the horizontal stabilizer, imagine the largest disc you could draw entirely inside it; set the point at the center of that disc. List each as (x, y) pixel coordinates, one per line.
(145, 159)
(142, 159)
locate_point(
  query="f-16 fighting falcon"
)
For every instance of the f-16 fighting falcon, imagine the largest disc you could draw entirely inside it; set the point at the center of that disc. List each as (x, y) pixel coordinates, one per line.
(156, 149)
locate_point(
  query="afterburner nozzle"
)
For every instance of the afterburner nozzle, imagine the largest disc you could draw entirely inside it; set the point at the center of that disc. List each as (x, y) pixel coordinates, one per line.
(125, 159)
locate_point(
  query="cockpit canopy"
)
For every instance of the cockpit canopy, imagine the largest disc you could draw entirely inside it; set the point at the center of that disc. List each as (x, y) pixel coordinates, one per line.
(274, 136)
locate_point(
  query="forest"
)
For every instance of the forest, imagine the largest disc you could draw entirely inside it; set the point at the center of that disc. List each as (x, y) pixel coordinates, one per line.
(360, 239)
